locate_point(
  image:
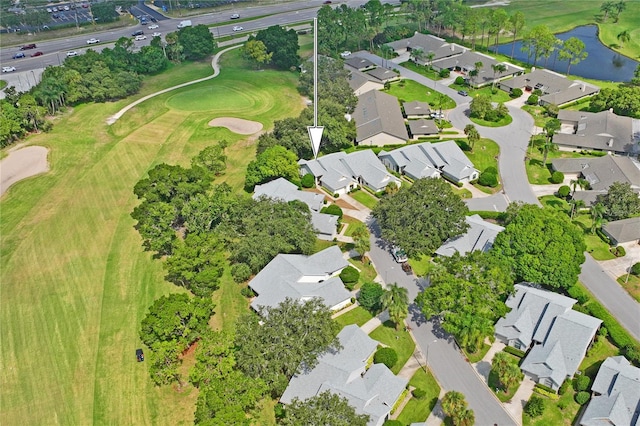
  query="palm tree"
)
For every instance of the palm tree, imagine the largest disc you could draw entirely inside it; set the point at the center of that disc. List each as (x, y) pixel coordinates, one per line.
(429, 56)
(582, 183)
(517, 22)
(465, 418)
(619, 7)
(360, 235)
(497, 69)
(597, 213)
(550, 129)
(454, 404)
(417, 54)
(472, 134)
(624, 37)
(396, 301)
(607, 7)
(473, 74)
(576, 205)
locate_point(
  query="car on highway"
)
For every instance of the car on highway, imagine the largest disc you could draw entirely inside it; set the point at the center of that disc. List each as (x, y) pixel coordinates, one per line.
(37, 54)
(153, 26)
(93, 41)
(156, 34)
(235, 16)
(137, 33)
(345, 54)
(28, 46)
(18, 55)
(8, 69)
(141, 37)
(72, 53)
(238, 28)
(399, 255)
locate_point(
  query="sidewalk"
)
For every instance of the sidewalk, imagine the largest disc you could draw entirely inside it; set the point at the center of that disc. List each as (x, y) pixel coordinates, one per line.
(374, 323)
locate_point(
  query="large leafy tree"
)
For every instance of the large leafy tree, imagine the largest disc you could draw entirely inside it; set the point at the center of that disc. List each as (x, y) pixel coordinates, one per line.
(256, 52)
(155, 223)
(396, 300)
(282, 44)
(324, 409)
(271, 164)
(422, 217)
(620, 201)
(573, 52)
(624, 100)
(197, 42)
(274, 345)
(542, 246)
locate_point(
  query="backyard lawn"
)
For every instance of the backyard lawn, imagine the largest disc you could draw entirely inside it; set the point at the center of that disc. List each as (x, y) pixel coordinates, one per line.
(357, 316)
(498, 96)
(363, 196)
(399, 340)
(409, 90)
(418, 409)
(539, 175)
(422, 70)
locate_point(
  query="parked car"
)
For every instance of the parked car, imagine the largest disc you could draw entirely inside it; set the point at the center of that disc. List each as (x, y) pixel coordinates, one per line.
(139, 355)
(153, 26)
(141, 37)
(37, 54)
(463, 93)
(399, 255)
(18, 55)
(8, 69)
(54, 9)
(72, 53)
(437, 115)
(237, 28)
(345, 54)
(66, 8)
(156, 34)
(28, 46)
(406, 267)
(93, 41)
(137, 33)
(55, 15)
(235, 16)
(49, 10)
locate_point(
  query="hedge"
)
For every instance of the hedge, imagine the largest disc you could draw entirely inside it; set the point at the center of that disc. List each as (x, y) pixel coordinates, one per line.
(635, 269)
(602, 236)
(542, 390)
(489, 214)
(582, 397)
(617, 334)
(513, 351)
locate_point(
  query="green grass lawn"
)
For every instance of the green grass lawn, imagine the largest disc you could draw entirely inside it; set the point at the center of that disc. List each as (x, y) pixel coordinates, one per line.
(538, 113)
(3, 84)
(367, 271)
(504, 121)
(349, 221)
(539, 175)
(478, 355)
(70, 325)
(462, 192)
(357, 316)
(484, 154)
(498, 96)
(422, 70)
(631, 284)
(417, 410)
(421, 266)
(399, 340)
(409, 90)
(363, 196)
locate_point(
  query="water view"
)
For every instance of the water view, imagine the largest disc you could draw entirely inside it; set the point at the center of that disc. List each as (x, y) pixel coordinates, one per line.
(601, 64)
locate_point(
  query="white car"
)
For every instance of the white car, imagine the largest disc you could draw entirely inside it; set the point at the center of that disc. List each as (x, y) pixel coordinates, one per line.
(237, 28)
(156, 34)
(153, 26)
(66, 8)
(93, 41)
(345, 54)
(235, 16)
(8, 69)
(49, 10)
(72, 53)
(141, 37)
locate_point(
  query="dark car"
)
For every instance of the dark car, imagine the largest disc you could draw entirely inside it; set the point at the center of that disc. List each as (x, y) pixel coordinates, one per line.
(37, 54)
(18, 55)
(139, 355)
(137, 33)
(463, 93)
(153, 19)
(28, 46)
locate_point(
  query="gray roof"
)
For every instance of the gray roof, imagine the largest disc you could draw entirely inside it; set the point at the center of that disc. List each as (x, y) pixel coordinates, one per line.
(414, 160)
(378, 112)
(326, 224)
(359, 63)
(357, 79)
(382, 74)
(624, 230)
(480, 236)
(467, 62)
(589, 197)
(556, 88)
(337, 170)
(301, 277)
(602, 172)
(563, 349)
(576, 91)
(603, 131)
(282, 189)
(422, 127)
(428, 43)
(371, 391)
(416, 108)
(616, 395)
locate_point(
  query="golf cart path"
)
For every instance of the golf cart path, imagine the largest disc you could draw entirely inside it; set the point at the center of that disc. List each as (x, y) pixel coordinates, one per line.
(216, 71)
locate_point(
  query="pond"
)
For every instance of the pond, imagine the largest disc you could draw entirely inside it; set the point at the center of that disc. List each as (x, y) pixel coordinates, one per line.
(601, 64)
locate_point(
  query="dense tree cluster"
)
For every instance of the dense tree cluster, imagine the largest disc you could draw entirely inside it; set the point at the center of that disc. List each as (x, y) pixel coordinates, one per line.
(19, 115)
(281, 44)
(274, 162)
(327, 408)
(421, 217)
(620, 201)
(482, 108)
(624, 100)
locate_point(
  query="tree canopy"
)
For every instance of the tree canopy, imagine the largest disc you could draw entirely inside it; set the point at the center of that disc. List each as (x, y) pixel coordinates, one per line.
(281, 44)
(273, 163)
(422, 217)
(326, 408)
(620, 201)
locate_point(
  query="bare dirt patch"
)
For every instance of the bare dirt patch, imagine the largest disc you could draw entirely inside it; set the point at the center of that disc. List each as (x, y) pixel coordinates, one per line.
(237, 125)
(21, 164)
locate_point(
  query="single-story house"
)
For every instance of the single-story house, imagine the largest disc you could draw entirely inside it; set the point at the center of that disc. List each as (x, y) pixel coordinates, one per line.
(361, 83)
(301, 277)
(430, 160)
(379, 120)
(383, 75)
(466, 62)
(615, 395)
(555, 337)
(358, 63)
(371, 389)
(340, 172)
(599, 131)
(326, 225)
(428, 44)
(422, 127)
(416, 109)
(282, 189)
(600, 172)
(622, 231)
(479, 236)
(556, 88)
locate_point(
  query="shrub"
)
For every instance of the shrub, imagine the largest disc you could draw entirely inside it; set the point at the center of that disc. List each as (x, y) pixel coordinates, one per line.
(308, 181)
(369, 297)
(386, 356)
(492, 115)
(516, 93)
(247, 292)
(617, 334)
(582, 397)
(581, 383)
(488, 179)
(603, 236)
(535, 406)
(635, 269)
(279, 411)
(537, 92)
(349, 275)
(491, 169)
(564, 191)
(552, 109)
(444, 73)
(532, 100)
(513, 351)
(557, 177)
(542, 390)
(333, 209)
(240, 272)
(603, 331)
(620, 251)
(564, 387)
(419, 393)
(578, 294)
(460, 80)
(632, 353)
(562, 404)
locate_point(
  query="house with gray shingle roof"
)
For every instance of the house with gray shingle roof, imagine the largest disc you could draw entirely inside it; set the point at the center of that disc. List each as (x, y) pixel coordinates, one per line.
(382, 75)
(422, 127)
(558, 337)
(372, 391)
(466, 62)
(379, 120)
(479, 236)
(623, 231)
(301, 277)
(600, 131)
(416, 109)
(340, 172)
(615, 396)
(362, 83)
(325, 225)
(428, 44)
(430, 160)
(358, 63)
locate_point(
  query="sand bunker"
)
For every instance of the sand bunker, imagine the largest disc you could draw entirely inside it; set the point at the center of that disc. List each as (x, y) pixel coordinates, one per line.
(21, 164)
(237, 125)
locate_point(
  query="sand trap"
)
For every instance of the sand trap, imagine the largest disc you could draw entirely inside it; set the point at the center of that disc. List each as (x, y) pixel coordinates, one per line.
(237, 125)
(21, 164)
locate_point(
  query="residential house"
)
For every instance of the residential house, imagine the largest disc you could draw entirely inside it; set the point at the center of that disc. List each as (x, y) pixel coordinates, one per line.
(325, 225)
(340, 172)
(362, 83)
(622, 231)
(302, 278)
(479, 236)
(360, 64)
(466, 62)
(598, 131)
(428, 44)
(379, 120)
(555, 337)
(416, 109)
(431, 160)
(371, 389)
(422, 127)
(556, 88)
(615, 396)
(383, 75)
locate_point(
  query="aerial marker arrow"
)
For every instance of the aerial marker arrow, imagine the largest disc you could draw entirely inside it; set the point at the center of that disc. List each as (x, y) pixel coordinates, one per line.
(315, 131)
(315, 134)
